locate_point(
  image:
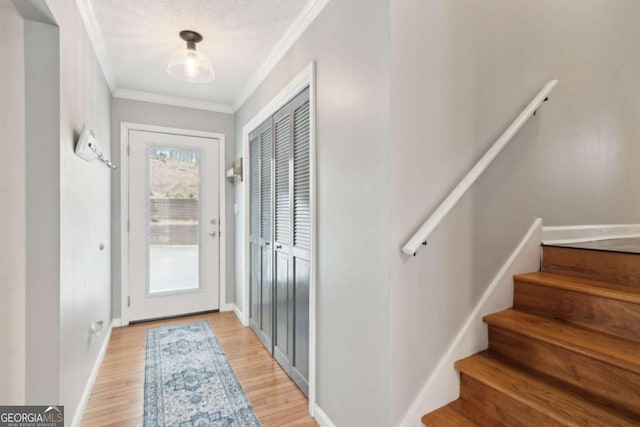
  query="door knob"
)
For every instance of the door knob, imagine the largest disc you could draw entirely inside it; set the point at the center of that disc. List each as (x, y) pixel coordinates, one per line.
(278, 246)
(212, 234)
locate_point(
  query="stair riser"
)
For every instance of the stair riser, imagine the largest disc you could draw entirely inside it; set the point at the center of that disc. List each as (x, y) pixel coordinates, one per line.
(614, 267)
(602, 314)
(609, 383)
(500, 407)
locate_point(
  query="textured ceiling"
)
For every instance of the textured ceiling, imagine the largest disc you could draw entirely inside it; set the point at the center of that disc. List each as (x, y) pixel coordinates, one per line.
(139, 36)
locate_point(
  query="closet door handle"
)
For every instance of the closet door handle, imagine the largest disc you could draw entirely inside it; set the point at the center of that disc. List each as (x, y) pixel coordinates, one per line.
(278, 246)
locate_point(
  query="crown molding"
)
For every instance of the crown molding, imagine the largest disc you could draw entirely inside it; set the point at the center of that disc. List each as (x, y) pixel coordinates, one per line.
(137, 95)
(299, 26)
(95, 36)
(302, 22)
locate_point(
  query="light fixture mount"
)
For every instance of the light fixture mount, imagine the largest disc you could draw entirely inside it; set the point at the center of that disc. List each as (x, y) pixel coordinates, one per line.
(191, 37)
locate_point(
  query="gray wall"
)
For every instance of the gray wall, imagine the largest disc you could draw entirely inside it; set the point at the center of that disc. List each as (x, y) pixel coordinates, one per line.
(350, 43)
(125, 110)
(12, 214)
(42, 81)
(462, 70)
(85, 211)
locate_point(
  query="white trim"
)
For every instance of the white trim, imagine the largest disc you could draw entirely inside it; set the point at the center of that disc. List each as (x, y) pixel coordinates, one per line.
(307, 77)
(99, 46)
(155, 98)
(322, 419)
(239, 314)
(222, 223)
(125, 127)
(116, 323)
(314, 238)
(82, 405)
(443, 385)
(225, 307)
(299, 26)
(557, 235)
(293, 33)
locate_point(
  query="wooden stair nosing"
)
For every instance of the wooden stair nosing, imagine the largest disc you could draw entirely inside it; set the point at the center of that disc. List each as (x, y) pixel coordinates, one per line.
(447, 416)
(582, 374)
(546, 398)
(606, 348)
(613, 316)
(616, 291)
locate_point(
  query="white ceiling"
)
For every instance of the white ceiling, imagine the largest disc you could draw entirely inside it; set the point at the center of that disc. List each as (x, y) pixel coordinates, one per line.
(134, 40)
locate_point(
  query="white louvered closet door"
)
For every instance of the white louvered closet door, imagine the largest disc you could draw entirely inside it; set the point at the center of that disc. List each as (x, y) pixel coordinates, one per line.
(280, 236)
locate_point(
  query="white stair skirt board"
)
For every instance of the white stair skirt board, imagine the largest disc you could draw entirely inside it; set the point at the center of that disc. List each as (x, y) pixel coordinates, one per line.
(558, 235)
(443, 386)
(82, 405)
(322, 419)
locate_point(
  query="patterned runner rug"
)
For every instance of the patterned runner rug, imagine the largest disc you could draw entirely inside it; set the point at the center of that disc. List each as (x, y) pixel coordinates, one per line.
(189, 381)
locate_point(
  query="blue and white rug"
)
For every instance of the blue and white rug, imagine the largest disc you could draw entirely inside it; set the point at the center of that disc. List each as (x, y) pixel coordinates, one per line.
(189, 382)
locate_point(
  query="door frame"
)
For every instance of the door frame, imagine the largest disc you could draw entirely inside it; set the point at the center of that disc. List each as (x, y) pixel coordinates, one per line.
(306, 78)
(125, 127)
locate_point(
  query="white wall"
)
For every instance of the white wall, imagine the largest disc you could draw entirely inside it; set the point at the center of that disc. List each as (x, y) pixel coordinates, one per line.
(125, 110)
(85, 207)
(12, 214)
(461, 72)
(350, 43)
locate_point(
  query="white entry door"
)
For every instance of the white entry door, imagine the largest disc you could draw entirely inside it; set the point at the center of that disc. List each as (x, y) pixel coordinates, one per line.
(174, 227)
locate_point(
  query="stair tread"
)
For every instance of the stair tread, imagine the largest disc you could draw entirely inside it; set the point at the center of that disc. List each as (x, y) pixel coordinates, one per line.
(613, 350)
(447, 416)
(621, 292)
(567, 407)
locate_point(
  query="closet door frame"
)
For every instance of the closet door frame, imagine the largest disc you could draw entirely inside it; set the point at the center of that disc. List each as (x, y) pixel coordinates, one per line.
(306, 78)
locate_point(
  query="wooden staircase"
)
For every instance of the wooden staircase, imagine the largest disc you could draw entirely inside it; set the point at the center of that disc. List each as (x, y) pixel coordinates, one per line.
(566, 354)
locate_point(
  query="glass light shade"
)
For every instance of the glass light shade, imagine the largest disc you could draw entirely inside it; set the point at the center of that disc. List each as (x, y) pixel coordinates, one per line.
(190, 66)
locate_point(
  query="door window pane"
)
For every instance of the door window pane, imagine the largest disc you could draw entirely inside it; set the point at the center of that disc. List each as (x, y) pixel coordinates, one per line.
(174, 220)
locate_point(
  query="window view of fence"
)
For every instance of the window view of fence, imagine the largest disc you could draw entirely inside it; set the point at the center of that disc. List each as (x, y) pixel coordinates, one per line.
(174, 218)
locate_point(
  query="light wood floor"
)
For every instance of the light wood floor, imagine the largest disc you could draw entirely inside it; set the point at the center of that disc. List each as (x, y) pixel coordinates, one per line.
(117, 397)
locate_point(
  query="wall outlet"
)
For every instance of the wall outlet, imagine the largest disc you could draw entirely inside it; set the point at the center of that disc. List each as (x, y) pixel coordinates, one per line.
(96, 328)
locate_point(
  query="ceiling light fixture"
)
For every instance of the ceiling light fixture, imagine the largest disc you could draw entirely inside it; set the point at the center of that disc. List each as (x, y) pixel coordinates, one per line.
(188, 65)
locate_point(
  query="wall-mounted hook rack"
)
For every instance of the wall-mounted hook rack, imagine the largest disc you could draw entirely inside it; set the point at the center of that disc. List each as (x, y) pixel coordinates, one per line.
(87, 148)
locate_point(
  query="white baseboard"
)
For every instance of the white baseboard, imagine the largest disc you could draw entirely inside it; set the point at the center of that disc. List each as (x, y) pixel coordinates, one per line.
(443, 386)
(558, 235)
(240, 315)
(92, 378)
(116, 323)
(227, 307)
(322, 419)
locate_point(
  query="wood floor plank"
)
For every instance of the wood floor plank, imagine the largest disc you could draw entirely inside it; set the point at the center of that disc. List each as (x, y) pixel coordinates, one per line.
(117, 397)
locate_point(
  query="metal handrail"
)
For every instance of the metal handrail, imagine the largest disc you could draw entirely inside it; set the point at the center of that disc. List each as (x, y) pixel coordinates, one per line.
(421, 236)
